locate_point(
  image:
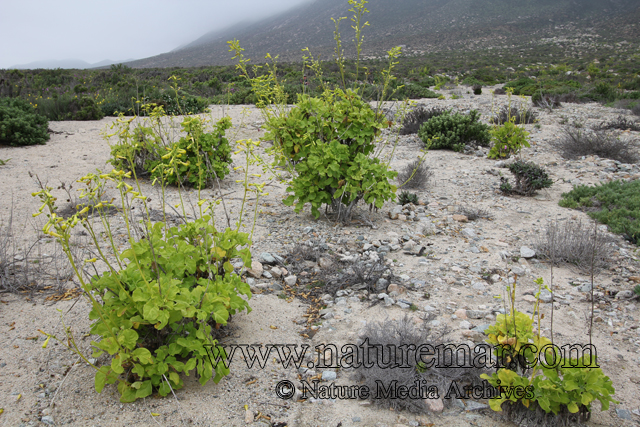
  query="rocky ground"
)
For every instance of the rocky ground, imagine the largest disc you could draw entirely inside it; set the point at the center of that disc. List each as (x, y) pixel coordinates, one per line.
(442, 268)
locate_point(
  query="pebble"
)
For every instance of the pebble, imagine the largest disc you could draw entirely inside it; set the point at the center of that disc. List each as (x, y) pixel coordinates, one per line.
(329, 375)
(526, 252)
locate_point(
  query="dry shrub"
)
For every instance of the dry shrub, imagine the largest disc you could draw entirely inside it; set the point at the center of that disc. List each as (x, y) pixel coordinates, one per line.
(392, 334)
(575, 144)
(499, 91)
(415, 175)
(575, 243)
(619, 123)
(636, 109)
(473, 213)
(518, 116)
(416, 117)
(37, 266)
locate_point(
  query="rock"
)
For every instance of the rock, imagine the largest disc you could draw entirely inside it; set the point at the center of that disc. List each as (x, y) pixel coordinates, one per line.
(526, 252)
(428, 308)
(481, 328)
(625, 294)
(276, 272)
(495, 278)
(635, 279)
(460, 218)
(47, 419)
(382, 284)
(469, 232)
(402, 217)
(267, 258)
(396, 288)
(472, 405)
(518, 270)
(290, 280)
(267, 274)
(465, 325)
(461, 313)
(329, 375)
(585, 288)
(388, 301)
(324, 262)
(476, 314)
(623, 414)
(434, 405)
(545, 296)
(403, 305)
(276, 286)
(478, 286)
(256, 269)
(529, 298)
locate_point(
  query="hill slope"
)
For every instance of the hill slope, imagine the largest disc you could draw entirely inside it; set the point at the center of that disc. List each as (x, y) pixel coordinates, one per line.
(421, 26)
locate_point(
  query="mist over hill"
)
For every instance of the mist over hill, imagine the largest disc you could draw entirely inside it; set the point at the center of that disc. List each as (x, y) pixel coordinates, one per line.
(420, 26)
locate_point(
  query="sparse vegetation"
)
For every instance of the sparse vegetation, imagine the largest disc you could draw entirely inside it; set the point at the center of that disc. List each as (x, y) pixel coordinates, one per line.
(518, 116)
(576, 143)
(619, 123)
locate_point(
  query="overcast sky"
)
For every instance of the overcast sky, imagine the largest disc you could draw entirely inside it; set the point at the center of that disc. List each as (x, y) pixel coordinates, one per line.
(95, 30)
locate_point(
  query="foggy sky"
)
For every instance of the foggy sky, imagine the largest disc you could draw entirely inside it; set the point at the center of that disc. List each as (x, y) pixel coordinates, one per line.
(95, 30)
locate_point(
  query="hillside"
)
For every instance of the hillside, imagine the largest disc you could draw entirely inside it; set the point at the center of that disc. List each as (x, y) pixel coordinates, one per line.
(420, 26)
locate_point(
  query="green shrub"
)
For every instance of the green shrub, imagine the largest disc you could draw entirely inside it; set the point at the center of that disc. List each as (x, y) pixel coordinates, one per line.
(413, 91)
(20, 125)
(616, 204)
(508, 139)
(156, 309)
(529, 178)
(195, 159)
(328, 144)
(477, 89)
(454, 131)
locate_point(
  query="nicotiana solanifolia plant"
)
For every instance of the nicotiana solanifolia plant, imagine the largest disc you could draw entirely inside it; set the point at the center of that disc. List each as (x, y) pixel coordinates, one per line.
(156, 303)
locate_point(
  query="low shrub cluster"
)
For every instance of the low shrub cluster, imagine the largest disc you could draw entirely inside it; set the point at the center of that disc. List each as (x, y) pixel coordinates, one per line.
(529, 178)
(406, 197)
(454, 131)
(575, 143)
(20, 125)
(616, 204)
(419, 115)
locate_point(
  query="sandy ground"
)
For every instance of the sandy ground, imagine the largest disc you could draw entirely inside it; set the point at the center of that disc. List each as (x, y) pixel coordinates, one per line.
(49, 383)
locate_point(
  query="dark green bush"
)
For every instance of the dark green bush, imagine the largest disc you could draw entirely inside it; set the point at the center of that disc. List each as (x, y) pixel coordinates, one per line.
(529, 178)
(20, 125)
(406, 197)
(454, 131)
(616, 204)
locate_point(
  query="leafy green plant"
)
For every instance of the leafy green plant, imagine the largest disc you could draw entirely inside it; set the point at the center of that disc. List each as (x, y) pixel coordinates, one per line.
(616, 204)
(195, 159)
(508, 140)
(477, 89)
(20, 125)
(4, 162)
(555, 384)
(454, 131)
(406, 197)
(328, 142)
(154, 310)
(529, 178)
